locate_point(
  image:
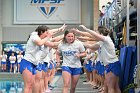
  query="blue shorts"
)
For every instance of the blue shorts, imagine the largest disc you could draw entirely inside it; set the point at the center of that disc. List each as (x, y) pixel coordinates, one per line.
(88, 66)
(100, 68)
(42, 67)
(12, 64)
(26, 64)
(54, 62)
(72, 71)
(18, 62)
(92, 66)
(45, 67)
(3, 62)
(39, 67)
(52, 65)
(114, 68)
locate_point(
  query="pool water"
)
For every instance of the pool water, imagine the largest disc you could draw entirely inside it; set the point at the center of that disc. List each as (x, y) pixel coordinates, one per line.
(11, 86)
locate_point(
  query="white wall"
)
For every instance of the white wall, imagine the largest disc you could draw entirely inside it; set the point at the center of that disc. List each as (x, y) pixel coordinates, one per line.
(86, 12)
(19, 33)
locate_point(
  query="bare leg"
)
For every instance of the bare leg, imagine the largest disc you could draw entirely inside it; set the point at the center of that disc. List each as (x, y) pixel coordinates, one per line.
(94, 79)
(42, 82)
(88, 75)
(74, 81)
(4, 68)
(11, 68)
(18, 67)
(46, 80)
(117, 86)
(111, 81)
(37, 86)
(66, 79)
(28, 79)
(52, 75)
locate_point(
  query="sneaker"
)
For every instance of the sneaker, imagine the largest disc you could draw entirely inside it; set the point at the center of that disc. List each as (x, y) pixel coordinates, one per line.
(50, 88)
(47, 91)
(52, 85)
(86, 82)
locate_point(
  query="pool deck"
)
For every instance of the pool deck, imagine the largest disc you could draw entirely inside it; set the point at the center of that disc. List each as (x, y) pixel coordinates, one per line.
(57, 81)
(10, 76)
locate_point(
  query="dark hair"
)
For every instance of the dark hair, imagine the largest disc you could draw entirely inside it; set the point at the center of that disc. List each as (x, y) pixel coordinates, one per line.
(66, 32)
(41, 29)
(103, 30)
(28, 37)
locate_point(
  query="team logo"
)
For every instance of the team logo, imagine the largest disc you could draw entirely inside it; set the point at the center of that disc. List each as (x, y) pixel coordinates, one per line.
(47, 7)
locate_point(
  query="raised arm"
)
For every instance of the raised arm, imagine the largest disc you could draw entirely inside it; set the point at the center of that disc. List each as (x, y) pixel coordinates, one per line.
(40, 41)
(85, 38)
(94, 46)
(52, 44)
(57, 30)
(57, 38)
(81, 33)
(93, 33)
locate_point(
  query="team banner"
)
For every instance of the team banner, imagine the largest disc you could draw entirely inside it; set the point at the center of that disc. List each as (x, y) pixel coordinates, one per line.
(47, 11)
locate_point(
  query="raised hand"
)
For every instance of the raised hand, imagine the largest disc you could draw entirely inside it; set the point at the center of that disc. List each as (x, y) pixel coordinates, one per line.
(62, 28)
(83, 26)
(74, 30)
